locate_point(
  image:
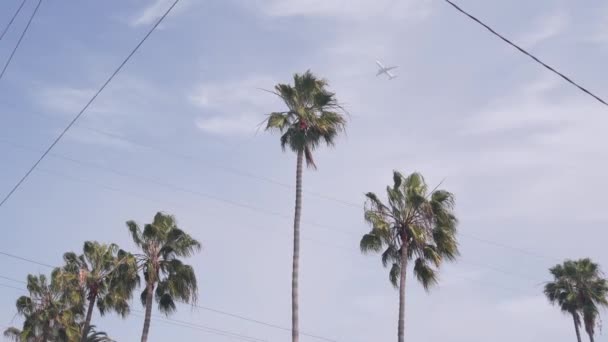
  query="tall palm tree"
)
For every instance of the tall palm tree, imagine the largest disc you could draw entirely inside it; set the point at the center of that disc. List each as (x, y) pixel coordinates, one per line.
(167, 278)
(579, 289)
(51, 311)
(107, 276)
(414, 225)
(313, 116)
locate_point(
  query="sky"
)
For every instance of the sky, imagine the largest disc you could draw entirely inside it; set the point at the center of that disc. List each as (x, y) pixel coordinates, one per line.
(177, 131)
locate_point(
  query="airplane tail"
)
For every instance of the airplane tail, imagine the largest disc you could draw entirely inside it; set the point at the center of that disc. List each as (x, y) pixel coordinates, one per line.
(392, 77)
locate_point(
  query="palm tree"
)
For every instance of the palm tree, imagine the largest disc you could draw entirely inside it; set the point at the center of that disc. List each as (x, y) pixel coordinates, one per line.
(107, 276)
(313, 116)
(579, 289)
(415, 225)
(50, 312)
(162, 242)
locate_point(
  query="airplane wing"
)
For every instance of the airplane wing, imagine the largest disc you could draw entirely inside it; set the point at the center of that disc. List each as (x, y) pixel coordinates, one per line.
(391, 68)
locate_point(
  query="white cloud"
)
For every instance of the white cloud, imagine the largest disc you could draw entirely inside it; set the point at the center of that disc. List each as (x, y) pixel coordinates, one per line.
(547, 27)
(154, 11)
(531, 306)
(527, 106)
(239, 125)
(346, 9)
(126, 98)
(64, 100)
(234, 107)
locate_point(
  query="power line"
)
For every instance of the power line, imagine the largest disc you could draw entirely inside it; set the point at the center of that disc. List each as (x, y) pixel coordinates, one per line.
(260, 322)
(520, 49)
(200, 327)
(243, 205)
(158, 22)
(12, 19)
(218, 311)
(167, 320)
(330, 245)
(10, 58)
(318, 242)
(12, 287)
(26, 260)
(181, 189)
(207, 164)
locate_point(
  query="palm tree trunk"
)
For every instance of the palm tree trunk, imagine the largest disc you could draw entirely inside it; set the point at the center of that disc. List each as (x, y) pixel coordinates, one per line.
(576, 327)
(149, 297)
(87, 322)
(402, 279)
(295, 322)
(590, 334)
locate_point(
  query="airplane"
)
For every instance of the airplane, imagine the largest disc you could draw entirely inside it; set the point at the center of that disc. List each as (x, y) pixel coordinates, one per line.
(385, 70)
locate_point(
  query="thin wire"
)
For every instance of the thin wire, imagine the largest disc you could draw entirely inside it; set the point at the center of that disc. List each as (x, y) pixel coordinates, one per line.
(10, 58)
(241, 205)
(225, 313)
(158, 22)
(13, 287)
(318, 242)
(207, 164)
(12, 19)
(26, 260)
(166, 320)
(536, 59)
(260, 322)
(13, 279)
(206, 328)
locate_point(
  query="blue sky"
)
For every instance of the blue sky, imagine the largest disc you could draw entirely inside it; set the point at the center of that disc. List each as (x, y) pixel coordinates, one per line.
(176, 131)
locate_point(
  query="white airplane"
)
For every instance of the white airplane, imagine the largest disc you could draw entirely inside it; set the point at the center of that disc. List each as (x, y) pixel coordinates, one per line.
(385, 70)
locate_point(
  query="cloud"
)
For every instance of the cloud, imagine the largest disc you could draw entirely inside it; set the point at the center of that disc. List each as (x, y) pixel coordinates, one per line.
(530, 306)
(154, 11)
(527, 106)
(345, 9)
(125, 99)
(547, 27)
(234, 107)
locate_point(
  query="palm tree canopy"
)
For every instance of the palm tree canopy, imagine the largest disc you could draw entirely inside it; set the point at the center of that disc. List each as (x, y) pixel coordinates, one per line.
(162, 243)
(51, 309)
(578, 288)
(104, 272)
(415, 219)
(313, 115)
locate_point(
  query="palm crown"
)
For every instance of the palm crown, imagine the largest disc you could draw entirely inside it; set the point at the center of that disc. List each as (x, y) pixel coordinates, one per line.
(312, 115)
(50, 311)
(162, 242)
(414, 219)
(106, 274)
(578, 289)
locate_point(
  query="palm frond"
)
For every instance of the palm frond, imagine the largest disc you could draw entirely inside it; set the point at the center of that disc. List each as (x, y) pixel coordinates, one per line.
(425, 274)
(370, 243)
(394, 275)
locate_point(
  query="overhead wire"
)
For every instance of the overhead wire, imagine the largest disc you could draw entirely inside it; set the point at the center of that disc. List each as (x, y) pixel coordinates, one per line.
(10, 58)
(525, 52)
(12, 19)
(196, 326)
(206, 308)
(82, 111)
(254, 208)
